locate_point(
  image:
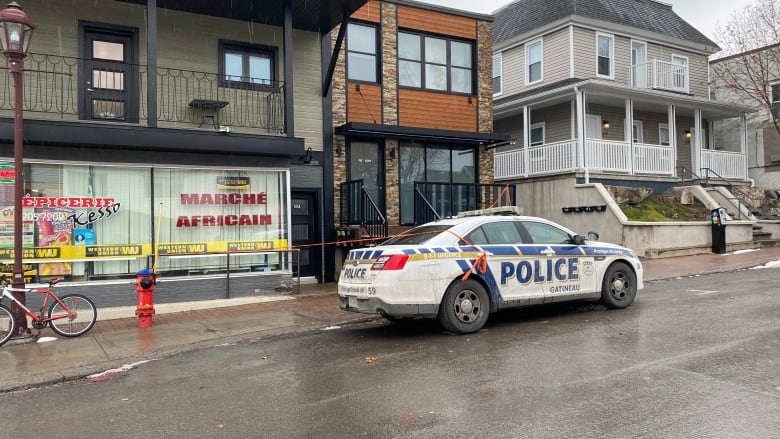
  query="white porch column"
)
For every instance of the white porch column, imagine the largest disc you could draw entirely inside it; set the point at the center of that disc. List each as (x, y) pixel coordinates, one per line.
(580, 128)
(526, 140)
(629, 130)
(696, 163)
(671, 118)
(743, 144)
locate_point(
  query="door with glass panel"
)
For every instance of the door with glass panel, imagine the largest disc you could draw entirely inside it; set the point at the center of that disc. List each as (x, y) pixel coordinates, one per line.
(109, 83)
(365, 163)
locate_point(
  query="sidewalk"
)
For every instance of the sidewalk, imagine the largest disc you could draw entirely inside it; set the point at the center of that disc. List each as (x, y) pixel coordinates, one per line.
(117, 342)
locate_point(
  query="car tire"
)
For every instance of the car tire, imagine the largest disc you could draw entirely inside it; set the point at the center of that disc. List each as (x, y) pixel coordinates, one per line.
(618, 289)
(465, 307)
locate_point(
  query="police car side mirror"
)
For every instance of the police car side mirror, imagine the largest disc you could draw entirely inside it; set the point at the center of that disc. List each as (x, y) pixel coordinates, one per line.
(578, 240)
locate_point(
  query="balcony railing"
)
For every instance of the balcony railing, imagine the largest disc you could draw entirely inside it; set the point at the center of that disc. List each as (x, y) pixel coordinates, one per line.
(69, 89)
(660, 75)
(599, 155)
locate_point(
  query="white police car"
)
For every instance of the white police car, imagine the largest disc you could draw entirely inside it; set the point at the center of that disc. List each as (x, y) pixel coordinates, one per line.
(462, 269)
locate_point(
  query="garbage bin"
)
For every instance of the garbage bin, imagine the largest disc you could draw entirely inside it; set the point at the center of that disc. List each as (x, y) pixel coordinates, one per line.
(719, 230)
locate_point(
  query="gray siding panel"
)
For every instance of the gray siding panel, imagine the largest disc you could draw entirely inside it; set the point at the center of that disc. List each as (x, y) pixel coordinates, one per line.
(584, 53)
(556, 56)
(513, 73)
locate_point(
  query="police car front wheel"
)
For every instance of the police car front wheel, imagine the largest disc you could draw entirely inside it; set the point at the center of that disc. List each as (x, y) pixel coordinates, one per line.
(465, 307)
(619, 286)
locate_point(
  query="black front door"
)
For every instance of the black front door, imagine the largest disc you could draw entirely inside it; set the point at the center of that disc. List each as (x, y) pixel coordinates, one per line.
(109, 78)
(305, 233)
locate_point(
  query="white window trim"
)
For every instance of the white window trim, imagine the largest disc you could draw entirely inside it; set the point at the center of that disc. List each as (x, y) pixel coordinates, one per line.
(500, 58)
(687, 66)
(541, 61)
(544, 133)
(640, 129)
(661, 126)
(611, 55)
(643, 61)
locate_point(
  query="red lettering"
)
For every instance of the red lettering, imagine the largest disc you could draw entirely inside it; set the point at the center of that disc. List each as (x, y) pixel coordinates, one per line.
(183, 221)
(206, 199)
(189, 199)
(234, 198)
(220, 198)
(88, 202)
(28, 202)
(209, 221)
(261, 198)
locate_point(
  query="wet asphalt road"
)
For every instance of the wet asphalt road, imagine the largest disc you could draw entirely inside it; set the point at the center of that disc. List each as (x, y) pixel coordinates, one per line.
(692, 358)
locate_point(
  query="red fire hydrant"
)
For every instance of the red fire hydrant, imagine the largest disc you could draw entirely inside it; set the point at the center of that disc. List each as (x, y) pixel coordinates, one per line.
(144, 286)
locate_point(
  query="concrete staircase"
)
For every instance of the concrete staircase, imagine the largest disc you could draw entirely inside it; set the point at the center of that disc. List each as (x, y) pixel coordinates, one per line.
(762, 238)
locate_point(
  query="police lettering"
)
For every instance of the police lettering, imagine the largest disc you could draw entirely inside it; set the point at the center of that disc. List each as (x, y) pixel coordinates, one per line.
(538, 271)
(355, 273)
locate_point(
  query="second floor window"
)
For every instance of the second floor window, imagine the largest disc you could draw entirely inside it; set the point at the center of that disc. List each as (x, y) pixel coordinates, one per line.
(361, 52)
(246, 64)
(774, 95)
(604, 48)
(497, 65)
(533, 55)
(435, 63)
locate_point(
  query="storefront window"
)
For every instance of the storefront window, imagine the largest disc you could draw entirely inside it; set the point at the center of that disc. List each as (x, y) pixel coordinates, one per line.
(97, 222)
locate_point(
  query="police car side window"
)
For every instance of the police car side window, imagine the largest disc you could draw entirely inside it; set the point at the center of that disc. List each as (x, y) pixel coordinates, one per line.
(504, 232)
(476, 237)
(546, 234)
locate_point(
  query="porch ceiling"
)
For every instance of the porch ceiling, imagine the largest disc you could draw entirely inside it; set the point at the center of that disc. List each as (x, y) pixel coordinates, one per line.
(316, 16)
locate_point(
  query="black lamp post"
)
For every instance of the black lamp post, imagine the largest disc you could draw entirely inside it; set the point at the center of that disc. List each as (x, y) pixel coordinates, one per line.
(15, 34)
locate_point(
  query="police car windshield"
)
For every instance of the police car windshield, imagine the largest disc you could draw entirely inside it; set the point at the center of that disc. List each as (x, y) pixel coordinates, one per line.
(417, 235)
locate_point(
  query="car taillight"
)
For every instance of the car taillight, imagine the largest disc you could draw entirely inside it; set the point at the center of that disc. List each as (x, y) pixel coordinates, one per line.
(392, 262)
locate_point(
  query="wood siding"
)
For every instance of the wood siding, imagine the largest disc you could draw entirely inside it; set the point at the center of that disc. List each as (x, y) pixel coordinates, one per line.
(368, 12)
(442, 111)
(436, 22)
(364, 103)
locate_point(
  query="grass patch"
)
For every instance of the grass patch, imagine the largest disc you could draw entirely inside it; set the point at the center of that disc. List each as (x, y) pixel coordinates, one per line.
(654, 209)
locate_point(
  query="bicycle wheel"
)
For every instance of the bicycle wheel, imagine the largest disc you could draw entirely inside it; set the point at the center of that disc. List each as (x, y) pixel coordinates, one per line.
(78, 324)
(7, 324)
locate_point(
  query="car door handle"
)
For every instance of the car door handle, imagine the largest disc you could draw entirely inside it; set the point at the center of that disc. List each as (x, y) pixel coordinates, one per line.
(548, 252)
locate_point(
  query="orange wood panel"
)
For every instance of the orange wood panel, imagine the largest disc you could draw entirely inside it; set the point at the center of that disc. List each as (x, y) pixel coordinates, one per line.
(368, 12)
(436, 22)
(365, 104)
(424, 109)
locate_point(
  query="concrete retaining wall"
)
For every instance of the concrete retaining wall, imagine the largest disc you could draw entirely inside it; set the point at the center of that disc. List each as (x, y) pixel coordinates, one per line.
(591, 208)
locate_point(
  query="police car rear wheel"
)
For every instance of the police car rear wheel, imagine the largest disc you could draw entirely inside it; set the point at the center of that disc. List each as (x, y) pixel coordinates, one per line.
(464, 308)
(619, 286)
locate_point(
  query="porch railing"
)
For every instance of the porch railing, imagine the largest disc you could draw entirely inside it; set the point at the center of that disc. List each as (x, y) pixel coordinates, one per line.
(358, 208)
(661, 75)
(726, 164)
(60, 87)
(600, 155)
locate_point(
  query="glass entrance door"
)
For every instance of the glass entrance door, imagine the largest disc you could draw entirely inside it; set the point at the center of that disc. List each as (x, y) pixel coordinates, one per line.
(108, 80)
(365, 163)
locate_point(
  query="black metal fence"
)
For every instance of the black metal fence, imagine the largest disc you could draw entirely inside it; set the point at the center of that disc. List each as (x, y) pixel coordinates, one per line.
(438, 200)
(357, 207)
(73, 88)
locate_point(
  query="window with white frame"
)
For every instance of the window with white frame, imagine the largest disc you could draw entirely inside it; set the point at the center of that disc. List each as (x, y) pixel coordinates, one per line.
(637, 132)
(533, 62)
(663, 134)
(537, 134)
(605, 48)
(497, 66)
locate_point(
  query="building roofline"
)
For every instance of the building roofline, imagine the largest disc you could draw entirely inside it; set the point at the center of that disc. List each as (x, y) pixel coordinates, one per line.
(444, 9)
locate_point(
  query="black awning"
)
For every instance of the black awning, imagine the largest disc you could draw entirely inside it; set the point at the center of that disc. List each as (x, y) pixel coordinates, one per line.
(370, 130)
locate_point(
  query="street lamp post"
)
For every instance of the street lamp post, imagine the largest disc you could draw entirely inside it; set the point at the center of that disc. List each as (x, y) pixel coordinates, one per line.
(15, 34)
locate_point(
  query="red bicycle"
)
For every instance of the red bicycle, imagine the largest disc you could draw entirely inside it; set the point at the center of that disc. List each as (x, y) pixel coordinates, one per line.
(69, 316)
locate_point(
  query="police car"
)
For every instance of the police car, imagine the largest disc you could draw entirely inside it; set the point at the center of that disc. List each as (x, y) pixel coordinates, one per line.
(460, 270)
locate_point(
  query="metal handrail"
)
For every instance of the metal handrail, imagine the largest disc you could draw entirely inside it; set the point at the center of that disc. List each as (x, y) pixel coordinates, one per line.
(62, 86)
(357, 207)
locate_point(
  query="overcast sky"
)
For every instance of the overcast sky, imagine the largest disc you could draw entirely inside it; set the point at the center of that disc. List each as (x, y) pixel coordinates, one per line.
(704, 15)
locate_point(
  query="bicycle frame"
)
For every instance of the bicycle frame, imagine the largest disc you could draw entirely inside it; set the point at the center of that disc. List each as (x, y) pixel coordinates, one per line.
(8, 293)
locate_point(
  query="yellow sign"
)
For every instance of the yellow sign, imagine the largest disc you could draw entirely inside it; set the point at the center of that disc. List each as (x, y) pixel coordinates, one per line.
(249, 246)
(183, 248)
(103, 251)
